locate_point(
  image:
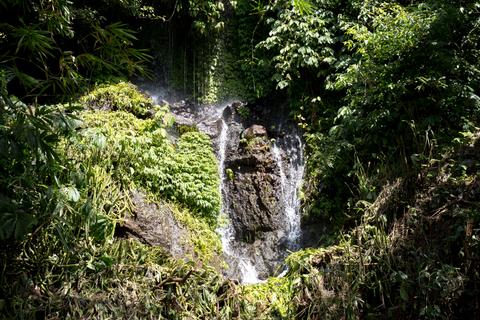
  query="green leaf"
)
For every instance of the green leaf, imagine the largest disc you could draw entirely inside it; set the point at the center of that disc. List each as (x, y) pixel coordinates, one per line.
(282, 84)
(71, 194)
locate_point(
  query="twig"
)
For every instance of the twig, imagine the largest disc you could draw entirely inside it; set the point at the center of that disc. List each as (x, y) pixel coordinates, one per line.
(171, 280)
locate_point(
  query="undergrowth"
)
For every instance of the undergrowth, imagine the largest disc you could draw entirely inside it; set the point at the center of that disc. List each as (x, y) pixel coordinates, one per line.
(72, 265)
(119, 96)
(412, 255)
(417, 264)
(139, 154)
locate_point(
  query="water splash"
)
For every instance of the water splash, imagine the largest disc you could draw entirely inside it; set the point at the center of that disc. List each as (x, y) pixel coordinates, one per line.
(249, 274)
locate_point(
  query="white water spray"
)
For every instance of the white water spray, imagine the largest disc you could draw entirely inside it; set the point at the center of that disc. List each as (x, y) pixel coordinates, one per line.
(293, 168)
(248, 272)
(222, 145)
(225, 231)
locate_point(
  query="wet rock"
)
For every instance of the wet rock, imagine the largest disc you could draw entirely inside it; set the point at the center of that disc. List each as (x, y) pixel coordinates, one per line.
(183, 121)
(211, 128)
(266, 253)
(254, 131)
(154, 224)
(253, 195)
(254, 204)
(252, 190)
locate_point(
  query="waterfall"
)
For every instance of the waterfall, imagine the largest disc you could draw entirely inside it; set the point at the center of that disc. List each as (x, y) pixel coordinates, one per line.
(225, 231)
(255, 255)
(248, 273)
(287, 153)
(291, 173)
(222, 145)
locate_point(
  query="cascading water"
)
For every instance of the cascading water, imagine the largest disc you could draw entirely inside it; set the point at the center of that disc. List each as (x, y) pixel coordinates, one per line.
(246, 268)
(244, 257)
(225, 231)
(222, 143)
(293, 167)
(265, 180)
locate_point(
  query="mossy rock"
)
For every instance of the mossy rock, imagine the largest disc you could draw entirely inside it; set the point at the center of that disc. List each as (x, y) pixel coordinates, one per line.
(230, 174)
(121, 96)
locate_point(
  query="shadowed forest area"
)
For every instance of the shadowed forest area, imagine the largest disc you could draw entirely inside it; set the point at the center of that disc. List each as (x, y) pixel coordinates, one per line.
(134, 132)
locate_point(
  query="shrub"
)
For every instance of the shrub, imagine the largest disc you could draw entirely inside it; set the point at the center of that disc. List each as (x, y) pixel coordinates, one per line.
(121, 96)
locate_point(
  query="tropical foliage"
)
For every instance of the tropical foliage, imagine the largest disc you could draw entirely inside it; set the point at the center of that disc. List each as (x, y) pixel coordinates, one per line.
(185, 172)
(387, 95)
(378, 87)
(57, 46)
(69, 234)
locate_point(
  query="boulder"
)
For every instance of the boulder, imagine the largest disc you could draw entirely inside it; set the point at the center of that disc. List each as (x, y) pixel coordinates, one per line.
(254, 131)
(253, 195)
(154, 224)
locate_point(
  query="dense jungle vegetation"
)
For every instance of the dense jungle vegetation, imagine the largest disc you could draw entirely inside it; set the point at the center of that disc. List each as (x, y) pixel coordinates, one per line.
(387, 95)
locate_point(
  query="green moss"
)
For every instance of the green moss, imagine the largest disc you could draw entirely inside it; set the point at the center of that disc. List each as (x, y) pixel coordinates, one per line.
(121, 96)
(139, 154)
(230, 174)
(184, 128)
(203, 238)
(256, 143)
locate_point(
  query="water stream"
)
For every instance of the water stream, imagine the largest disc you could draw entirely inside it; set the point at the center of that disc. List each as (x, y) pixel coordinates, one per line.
(291, 168)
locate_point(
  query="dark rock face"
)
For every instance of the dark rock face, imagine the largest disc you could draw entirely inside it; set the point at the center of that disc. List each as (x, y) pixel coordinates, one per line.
(253, 196)
(155, 225)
